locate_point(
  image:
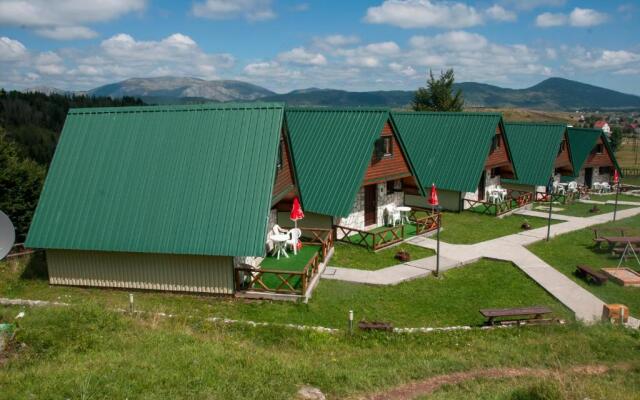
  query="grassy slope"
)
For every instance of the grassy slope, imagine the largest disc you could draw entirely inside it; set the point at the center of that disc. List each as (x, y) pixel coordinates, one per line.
(350, 256)
(524, 114)
(468, 227)
(626, 154)
(454, 300)
(566, 251)
(85, 352)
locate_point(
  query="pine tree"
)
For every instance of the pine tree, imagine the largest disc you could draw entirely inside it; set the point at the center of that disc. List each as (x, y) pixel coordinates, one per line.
(438, 95)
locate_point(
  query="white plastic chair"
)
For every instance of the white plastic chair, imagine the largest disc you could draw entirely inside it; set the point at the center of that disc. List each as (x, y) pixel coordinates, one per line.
(393, 215)
(294, 237)
(573, 187)
(605, 187)
(597, 186)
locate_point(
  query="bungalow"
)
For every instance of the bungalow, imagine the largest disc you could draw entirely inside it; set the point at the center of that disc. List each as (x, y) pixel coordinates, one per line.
(349, 166)
(464, 154)
(604, 126)
(539, 150)
(592, 157)
(162, 198)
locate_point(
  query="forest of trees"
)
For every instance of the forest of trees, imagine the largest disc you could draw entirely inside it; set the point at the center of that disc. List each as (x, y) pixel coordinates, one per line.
(30, 125)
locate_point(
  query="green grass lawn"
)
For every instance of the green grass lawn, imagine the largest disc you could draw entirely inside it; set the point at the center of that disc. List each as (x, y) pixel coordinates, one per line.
(454, 300)
(468, 227)
(349, 256)
(577, 209)
(566, 251)
(612, 197)
(85, 352)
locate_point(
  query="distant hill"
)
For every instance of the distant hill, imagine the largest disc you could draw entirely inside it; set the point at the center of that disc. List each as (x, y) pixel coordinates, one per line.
(555, 94)
(166, 89)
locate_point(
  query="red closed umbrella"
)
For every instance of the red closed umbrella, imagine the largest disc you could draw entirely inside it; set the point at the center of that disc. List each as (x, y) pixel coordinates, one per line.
(616, 176)
(296, 212)
(433, 199)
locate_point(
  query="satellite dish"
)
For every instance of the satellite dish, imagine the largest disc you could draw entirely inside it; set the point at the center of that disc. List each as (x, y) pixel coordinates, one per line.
(7, 235)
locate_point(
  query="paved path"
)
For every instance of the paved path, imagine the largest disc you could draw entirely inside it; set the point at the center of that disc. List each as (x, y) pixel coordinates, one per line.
(585, 305)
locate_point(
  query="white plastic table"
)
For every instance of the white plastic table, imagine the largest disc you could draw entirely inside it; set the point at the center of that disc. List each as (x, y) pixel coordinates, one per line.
(280, 242)
(404, 211)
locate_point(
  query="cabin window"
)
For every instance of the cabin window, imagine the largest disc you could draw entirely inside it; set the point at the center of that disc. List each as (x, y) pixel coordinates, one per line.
(387, 147)
(280, 147)
(495, 143)
(599, 149)
(495, 172)
(604, 170)
(390, 187)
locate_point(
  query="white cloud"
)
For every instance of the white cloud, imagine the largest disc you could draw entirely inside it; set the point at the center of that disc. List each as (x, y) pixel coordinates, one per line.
(583, 17)
(579, 17)
(49, 63)
(454, 40)
(67, 32)
(12, 50)
(499, 13)
(270, 69)
(64, 19)
(407, 71)
(336, 40)
(531, 4)
(382, 48)
(547, 20)
(551, 53)
(300, 55)
(604, 59)
(423, 14)
(252, 10)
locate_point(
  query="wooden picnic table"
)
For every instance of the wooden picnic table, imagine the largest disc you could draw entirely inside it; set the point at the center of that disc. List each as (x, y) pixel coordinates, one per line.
(612, 240)
(589, 273)
(516, 315)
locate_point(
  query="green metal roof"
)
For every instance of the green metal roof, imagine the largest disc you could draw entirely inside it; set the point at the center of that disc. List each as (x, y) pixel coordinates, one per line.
(534, 149)
(170, 179)
(331, 150)
(582, 141)
(447, 148)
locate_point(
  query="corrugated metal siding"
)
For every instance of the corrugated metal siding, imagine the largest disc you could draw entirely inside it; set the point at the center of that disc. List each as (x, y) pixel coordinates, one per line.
(180, 273)
(331, 150)
(448, 149)
(534, 148)
(178, 180)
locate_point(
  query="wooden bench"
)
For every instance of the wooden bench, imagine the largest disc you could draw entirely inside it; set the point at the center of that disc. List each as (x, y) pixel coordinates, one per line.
(591, 274)
(599, 238)
(618, 250)
(516, 315)
(375, 326)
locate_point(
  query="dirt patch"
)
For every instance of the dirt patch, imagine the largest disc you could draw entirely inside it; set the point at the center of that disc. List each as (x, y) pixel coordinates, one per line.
(430, 385)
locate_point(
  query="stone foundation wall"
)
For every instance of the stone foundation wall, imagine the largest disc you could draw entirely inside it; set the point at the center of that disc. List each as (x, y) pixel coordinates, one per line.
(489, 184)
(596, 177)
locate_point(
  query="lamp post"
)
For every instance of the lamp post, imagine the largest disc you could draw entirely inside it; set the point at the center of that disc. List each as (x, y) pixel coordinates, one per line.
(550, 197)
(435, 206)
(616, 181)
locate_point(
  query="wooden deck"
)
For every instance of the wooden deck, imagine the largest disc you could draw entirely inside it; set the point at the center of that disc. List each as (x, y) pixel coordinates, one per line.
(511, 203)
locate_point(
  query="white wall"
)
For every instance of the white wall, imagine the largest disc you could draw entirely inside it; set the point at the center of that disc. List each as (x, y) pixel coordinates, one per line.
(355, 219)
(489, 184)
(597, 176)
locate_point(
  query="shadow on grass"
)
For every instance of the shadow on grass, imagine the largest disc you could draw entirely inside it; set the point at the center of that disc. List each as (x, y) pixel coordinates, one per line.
(36, 268)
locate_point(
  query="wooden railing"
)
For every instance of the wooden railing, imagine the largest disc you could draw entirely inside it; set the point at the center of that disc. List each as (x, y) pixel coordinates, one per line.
(630, 171)
(373, 240)
(567, 198)
(288, 282)
(426, 223)
(496, 209)
(276, 281)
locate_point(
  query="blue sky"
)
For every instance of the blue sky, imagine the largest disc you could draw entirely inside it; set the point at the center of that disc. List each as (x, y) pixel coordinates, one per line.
(291, 44)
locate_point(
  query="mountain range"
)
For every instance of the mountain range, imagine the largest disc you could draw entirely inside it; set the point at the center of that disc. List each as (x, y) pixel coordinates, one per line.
(550, 94)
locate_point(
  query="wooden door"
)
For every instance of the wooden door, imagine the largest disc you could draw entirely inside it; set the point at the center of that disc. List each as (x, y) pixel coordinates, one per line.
(481, 186)
(370, 205)
(588, 176)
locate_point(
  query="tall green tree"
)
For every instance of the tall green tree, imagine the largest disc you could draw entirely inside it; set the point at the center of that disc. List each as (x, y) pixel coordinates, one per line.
(616, 138)
(20, 183)
(439, 94)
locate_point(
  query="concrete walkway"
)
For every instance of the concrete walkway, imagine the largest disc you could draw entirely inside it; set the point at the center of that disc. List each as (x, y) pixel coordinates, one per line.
(585, 305)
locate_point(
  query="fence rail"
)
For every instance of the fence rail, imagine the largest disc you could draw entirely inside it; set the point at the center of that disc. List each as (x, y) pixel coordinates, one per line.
(373, 240)
(567, 198)
(630, 171)
(427, 223)
(496, 209)
(248, 277)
